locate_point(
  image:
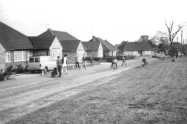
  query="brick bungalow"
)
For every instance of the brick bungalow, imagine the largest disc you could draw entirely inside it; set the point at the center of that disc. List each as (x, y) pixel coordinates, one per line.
(98, 47)
(138, 48)
(15, 47)
(57, 43)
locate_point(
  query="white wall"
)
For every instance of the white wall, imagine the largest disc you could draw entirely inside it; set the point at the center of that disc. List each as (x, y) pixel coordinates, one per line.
(2, 57)
(148, 52)
(17, 56)
(131, 53)
(100, 51)
(56, 48)
(80, 52)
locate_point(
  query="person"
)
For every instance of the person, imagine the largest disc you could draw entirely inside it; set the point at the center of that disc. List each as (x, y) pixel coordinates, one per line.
(77, 65)
(59, 67)
(114, 64)
(65, 63)
(123, 61)
(83, 62)
(54, 73)
(144, 62)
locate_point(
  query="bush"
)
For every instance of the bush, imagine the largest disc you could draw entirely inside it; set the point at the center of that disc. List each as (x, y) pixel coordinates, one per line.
(1, 76)
(173, 51)
(20, 69)
(7, 73)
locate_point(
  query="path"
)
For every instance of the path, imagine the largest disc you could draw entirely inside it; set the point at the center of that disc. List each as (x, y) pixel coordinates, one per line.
(29, 93)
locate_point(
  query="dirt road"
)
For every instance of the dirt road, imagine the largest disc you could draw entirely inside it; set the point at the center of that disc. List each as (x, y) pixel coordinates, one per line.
(28, 93)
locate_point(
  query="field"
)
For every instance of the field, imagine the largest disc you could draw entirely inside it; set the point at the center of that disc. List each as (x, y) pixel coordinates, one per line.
(154, 94)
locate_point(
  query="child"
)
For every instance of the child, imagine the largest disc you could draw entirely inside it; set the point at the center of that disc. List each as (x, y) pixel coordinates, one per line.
(54, 73)
(123, 61)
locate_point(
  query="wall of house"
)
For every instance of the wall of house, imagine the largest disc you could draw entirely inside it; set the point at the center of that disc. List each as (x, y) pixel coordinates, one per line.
(115, 53)
(18, 56)
(147, 52)
(100, 51)
(110, 53)
(2, 57)
(56, 49)
(92, 54)
(131, 53)
(80, 52)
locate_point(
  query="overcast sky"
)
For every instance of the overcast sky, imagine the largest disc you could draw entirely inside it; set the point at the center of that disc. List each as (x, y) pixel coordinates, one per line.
(114, 20)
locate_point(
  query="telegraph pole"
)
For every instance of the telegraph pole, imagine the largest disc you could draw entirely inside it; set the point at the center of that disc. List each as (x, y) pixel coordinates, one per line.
(182, 40)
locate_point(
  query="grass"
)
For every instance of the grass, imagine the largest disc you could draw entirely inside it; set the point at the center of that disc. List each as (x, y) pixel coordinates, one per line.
(155, 94)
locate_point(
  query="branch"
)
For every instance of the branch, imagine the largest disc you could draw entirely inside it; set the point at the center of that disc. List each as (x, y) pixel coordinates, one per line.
(176, 32)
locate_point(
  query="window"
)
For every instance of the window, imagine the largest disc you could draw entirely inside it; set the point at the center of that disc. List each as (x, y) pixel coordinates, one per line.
(37, 59)
(18, 56)
(8, 56)
(31, 60)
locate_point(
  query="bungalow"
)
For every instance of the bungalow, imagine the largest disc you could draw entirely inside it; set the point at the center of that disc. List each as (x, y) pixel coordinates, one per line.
(138, 48)
(57, 43)
(15, 47)
(98, 47)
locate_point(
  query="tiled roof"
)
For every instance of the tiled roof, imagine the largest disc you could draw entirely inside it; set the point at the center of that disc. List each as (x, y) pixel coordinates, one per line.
(107, 46)
(94, 43)
(12, 39)
(136, 46)
(45, 40)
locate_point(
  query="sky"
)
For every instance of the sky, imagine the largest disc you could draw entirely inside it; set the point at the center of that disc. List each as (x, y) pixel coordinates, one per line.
(112, 20)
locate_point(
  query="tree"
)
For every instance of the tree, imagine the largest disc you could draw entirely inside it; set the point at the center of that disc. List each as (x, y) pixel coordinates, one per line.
(122, 46)
(172, 33)
(163, 48)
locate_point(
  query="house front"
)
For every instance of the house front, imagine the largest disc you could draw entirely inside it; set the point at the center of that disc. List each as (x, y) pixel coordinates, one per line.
(98, 47)
(15, 47)
(93, 49)
(138, 49)
(57, 43)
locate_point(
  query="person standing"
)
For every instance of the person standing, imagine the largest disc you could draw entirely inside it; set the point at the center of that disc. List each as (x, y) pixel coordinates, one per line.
(83, 62)
(77, 65)
(59, 67)
(65, 63)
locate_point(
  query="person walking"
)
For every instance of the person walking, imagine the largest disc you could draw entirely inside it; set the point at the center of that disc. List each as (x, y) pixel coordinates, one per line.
(123, 61)
(114, 64)
(59, 66)
(65, 69)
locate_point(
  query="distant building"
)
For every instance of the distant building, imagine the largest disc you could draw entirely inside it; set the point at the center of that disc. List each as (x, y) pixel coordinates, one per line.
(138, 48)
(98, 47)
(143, 38)
(15, 47)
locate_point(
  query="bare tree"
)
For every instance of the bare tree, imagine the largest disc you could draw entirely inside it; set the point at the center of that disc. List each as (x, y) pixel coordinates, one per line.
(172, 33)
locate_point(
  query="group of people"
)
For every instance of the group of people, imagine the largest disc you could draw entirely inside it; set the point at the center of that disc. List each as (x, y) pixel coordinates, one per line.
(62, 65)
(78, 62)
(114, 64)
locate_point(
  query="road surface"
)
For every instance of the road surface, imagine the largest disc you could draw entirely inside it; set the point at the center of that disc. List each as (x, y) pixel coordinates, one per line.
(28, 93)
